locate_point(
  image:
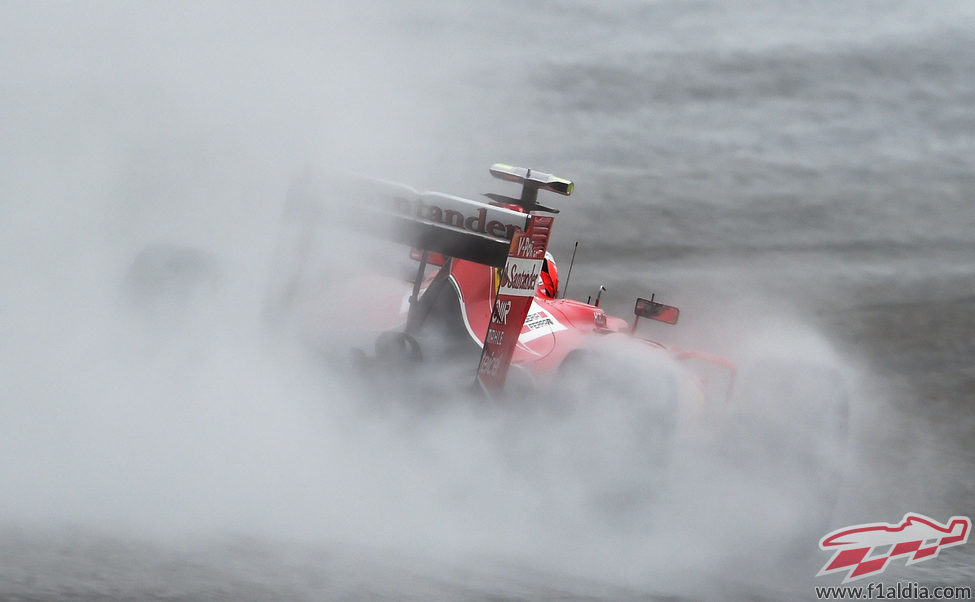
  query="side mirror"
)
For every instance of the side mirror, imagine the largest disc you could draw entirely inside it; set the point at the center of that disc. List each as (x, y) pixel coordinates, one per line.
(648, 308)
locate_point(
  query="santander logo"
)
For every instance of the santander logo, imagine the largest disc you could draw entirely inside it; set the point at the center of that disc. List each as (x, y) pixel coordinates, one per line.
(867, 549)
(520, 277)
(462, 214)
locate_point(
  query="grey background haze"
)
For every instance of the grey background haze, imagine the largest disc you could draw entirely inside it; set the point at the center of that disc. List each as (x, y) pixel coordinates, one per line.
(798, 168)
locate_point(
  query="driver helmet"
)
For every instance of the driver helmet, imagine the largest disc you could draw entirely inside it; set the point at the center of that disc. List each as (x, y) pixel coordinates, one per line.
(549, 285)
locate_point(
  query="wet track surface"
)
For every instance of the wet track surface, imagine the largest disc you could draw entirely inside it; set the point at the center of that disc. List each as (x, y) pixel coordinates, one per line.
(752, 164)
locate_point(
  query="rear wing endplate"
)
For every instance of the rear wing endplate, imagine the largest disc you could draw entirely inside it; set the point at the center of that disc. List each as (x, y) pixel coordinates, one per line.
(516, 291)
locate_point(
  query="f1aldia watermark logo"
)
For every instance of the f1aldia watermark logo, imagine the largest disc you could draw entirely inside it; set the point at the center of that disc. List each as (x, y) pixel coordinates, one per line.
(865, 550)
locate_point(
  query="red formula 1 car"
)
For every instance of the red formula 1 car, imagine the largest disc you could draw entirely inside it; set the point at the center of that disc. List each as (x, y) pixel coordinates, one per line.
(475, 300)
(485, 268)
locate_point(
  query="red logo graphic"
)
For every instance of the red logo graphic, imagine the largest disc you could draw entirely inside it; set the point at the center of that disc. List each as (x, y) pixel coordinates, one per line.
(864, 550)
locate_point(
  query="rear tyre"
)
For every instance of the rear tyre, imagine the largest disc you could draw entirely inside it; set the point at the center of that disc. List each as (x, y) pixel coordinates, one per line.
(398, 349)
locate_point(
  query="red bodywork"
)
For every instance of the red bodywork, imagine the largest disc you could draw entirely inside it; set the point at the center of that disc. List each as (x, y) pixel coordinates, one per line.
(464, 238)
(554, 327)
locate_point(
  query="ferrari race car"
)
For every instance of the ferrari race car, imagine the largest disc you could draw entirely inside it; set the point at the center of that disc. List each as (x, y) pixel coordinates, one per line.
(485, 266)
(478, 302)
(475, 301)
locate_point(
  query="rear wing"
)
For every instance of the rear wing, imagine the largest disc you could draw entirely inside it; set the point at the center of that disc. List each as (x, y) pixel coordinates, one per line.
(454, 226)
